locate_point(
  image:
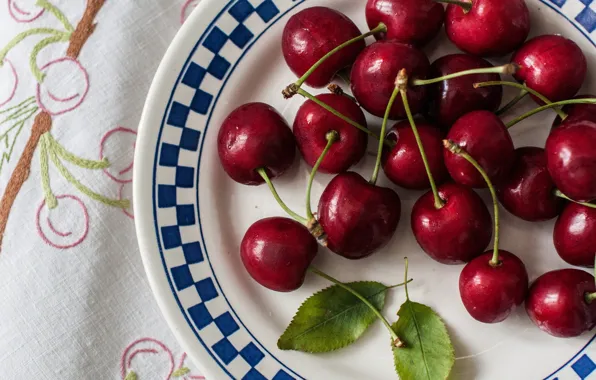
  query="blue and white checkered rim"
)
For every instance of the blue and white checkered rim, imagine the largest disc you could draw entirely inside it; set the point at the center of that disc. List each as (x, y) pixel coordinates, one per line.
(177, 218)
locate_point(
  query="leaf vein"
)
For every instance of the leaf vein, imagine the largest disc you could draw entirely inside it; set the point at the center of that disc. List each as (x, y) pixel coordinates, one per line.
(419, 339)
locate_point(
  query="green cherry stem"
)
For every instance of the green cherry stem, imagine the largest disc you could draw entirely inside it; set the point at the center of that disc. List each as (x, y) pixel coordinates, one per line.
(335, 89)
(375, 175)
(263, 173)
(590, 297)
(559, 193)
(466, 6)
(549, 106)
(510, 68)
(359, 296)
(523, 87)
(456, 149)
(292, 89)
(522, 94)
(332, 137)
(403, 90)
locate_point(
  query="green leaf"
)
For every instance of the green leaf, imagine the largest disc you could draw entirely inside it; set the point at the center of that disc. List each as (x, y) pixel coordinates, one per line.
(180, 372)
(427, 352)
(131, 376)
(333, 318)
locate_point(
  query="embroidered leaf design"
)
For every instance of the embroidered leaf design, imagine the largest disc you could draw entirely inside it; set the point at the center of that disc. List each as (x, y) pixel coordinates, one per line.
(131, 376)
(427, 352)
(16, 121)
(180, 372)
(332, 318)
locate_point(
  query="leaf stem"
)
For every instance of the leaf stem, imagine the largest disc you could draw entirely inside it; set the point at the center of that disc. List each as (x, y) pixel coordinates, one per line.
(48, 195)
(57, 13)
(400, 284)
(559, 193)
(549, 106)
(509, 68)
(25, 103)
(456, 149)
(332, 136)
(438, 201)
(39, 76)
(73, 159)
(357, 295)
(296, 217)
(522, 94)
(406, 277)
(21, 36)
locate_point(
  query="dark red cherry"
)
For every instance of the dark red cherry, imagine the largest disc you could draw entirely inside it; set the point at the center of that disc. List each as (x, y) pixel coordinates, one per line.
(490, 27)
(528, 190)
(314, 32)
(575, 235)
(453, 98)
(490, 293)
(403, 163)
(277, 252)
(484, 136)
(414, 22)
(556, 302)
(571, 159)
(359, 218)
(255, 136)
(578, 112)
(374, 74)
(552, 65)
(455, 233)
(312, 123)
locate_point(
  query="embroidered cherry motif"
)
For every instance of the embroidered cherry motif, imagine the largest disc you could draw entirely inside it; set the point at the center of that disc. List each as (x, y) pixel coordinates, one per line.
(24, 13)
(58, 236)
(9, 81)
(575, 235)
(55, 98)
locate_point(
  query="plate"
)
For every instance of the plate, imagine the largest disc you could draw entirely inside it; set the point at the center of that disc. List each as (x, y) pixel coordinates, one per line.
(191, 217)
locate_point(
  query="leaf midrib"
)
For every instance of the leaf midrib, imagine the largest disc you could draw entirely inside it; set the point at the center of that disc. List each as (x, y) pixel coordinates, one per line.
(419, 339)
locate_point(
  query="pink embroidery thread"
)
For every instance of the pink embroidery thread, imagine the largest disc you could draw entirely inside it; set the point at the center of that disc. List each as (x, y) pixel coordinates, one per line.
(14, 86)
(13, 7)
(101, 153)
(43, 235)
(125, 362)
(181, 365)
(63, 100)
(186, 8)
(140, 351)
(54, 230)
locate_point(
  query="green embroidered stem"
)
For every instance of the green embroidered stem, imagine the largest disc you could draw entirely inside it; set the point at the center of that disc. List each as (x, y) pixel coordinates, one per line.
(39, 76)
(76, 160)
(17, 114)
(281, 203)
(57, 13)
(559, 193)
(522, 94)
(6, 155)
(23, 104)
(549, 106)
(21, 36)
(84, 189)
(48, 195)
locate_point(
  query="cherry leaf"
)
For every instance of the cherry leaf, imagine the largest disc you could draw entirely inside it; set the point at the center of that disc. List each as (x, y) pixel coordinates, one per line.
(333, 318)
(427, 352)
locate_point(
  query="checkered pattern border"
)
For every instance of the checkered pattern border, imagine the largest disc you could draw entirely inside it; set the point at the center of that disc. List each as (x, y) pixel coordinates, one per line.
(208, 312)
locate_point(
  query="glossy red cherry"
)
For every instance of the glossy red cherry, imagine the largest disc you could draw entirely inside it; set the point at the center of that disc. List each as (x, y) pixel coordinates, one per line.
(314, 32)
(490, 293)
(484, 136)
(414, 22)
(556, 302)
(359, 218)
(528, 190)
(255, 136)
(575, 235)
(578, 112)
(277, 252)
(374, 74)
(453, 98)
(552, 65)
(490, 27)
(571, 159)
(455, 233)
(312, 123)
(403, 163)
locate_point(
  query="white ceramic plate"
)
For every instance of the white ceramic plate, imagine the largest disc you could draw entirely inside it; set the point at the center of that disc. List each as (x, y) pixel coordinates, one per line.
(191, 217)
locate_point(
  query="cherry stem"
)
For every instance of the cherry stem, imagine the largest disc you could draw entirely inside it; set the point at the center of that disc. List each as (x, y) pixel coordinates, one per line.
(559, 112)
(375, 175)
(403, 90)
(332, 137)
(296, 217)
(590, 297)
(522, 94)
(560, 194)
(464, 4)
(380, 28)
(549, 106)
(359, 296)
(406, 278)
(456, 149)
(335, 89)
(510, 68)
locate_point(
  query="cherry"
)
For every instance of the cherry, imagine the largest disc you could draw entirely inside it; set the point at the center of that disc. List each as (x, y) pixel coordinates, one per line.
(277, 252)
(491, 292)
(528, 190)
(578, 112)
(255, 136)
(312, 123)
(358, 217)
(403, 163)
(575, 235)
(571, 159)
(487, 27)
(314, 32)
(458, 231)
(552, 65)
(484, 136)
(414, 22)
(453, 98)
(560, 302)
(374, 72)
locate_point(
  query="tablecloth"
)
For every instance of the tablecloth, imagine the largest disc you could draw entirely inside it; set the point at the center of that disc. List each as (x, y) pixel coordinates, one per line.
(74, 299)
